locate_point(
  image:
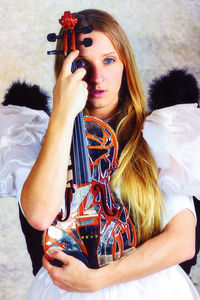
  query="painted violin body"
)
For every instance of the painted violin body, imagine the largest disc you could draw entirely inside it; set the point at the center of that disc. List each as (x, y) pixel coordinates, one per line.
(97, 226)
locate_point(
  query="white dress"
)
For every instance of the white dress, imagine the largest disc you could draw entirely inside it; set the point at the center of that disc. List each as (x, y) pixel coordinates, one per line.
(165, 131)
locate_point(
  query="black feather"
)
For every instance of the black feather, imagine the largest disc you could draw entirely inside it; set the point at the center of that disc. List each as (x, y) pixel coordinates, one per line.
(29, 95)
(175, 87)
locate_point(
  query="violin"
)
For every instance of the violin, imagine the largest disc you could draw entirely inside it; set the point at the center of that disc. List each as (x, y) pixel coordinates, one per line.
(93, 227)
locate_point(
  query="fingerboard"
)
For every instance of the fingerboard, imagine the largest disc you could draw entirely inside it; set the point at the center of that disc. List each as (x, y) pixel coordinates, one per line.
(79, 151)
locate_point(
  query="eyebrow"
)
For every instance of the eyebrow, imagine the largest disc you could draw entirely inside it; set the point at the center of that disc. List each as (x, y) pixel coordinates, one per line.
(111, 53)
(104, 55)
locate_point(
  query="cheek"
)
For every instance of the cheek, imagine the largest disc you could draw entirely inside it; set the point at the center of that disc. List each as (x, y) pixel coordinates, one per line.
(116, 80)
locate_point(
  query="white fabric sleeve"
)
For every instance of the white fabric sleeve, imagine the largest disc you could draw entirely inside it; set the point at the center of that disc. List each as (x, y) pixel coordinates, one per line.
(173, 135)
(21, 134)
(174, 205)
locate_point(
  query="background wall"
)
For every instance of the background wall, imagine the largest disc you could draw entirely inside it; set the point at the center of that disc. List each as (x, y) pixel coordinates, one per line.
(163, 33)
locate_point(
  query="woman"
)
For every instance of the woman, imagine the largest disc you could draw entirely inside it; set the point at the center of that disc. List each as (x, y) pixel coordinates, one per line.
(107, 86)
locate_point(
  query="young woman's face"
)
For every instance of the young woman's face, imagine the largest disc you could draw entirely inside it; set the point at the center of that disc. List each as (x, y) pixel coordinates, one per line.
(104, 74)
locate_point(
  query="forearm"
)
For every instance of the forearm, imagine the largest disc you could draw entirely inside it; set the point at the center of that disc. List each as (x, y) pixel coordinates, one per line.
(44, 189)
(148, 259)
(169, 248)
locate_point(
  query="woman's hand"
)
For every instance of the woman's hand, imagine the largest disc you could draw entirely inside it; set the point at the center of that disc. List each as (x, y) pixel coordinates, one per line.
(70, 92)
(73, 276)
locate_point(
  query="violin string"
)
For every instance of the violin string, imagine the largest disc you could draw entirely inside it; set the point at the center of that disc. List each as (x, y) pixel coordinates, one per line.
(75, 152)
(81, 146)
(80, 130)
(78, 143)
(79, 149)
(88, 171)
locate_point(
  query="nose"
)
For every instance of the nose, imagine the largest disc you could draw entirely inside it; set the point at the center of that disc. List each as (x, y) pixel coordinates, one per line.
(96, 74)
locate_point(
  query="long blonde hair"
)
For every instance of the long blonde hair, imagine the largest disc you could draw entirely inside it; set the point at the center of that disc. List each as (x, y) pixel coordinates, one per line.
(137, 176)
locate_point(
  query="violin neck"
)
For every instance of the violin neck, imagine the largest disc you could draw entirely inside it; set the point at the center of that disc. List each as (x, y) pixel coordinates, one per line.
(80, 156)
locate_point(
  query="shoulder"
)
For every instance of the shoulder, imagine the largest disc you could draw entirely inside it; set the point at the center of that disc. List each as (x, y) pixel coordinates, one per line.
(172, 134)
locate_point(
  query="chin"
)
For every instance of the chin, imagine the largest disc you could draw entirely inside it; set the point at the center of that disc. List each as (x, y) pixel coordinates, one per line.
(97, 104)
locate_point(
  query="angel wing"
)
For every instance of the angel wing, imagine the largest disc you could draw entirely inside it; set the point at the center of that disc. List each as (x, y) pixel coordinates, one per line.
(21, 133)
(173, 135)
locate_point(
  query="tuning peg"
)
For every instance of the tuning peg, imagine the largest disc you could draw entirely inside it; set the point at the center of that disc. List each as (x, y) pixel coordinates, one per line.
(87, 42)
(52, 37)
(55, 52)
(84, 30)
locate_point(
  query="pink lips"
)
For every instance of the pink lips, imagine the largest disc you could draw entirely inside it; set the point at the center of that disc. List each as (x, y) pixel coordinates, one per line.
(97, 93)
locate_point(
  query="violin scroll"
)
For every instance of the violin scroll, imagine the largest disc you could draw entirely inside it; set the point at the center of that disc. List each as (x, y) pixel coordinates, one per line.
(69, 21)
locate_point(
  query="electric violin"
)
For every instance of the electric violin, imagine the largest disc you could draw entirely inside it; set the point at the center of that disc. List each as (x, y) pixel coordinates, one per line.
(93, 227)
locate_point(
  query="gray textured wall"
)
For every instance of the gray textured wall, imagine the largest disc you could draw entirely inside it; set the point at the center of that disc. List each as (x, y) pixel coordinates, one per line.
(164, 34)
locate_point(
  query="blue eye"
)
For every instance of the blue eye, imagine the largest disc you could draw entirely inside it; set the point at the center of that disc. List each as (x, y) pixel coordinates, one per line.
(81, 63)
(109, 60)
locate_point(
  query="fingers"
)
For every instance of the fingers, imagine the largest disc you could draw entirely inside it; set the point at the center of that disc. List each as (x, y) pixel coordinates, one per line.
(46, 264)
(56, 273)
(70, 91)
(60, 255)
(55, 254)
(63, 257)
(67, 65)
(52, 270)
(73, 276)
(79, 74)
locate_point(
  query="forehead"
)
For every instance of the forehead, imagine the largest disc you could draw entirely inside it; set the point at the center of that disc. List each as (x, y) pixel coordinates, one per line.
(101, 44)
